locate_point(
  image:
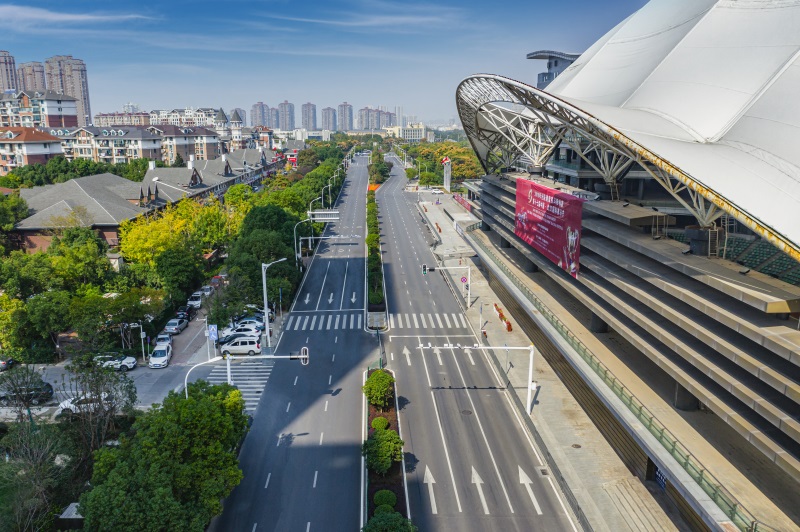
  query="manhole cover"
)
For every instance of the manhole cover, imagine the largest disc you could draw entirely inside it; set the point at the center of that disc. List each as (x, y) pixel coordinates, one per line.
(576, 446)
(466, 412)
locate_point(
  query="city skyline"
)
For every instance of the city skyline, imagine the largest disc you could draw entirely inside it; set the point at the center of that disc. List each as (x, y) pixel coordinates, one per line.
(366, 53)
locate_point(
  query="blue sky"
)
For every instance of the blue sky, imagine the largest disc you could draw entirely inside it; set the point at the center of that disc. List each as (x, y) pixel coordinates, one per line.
(234, 53)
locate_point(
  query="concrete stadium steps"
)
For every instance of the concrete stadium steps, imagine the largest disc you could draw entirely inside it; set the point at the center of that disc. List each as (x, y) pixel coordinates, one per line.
(742, 419)
(753, 324)
(751, 357)
(645, 309)
(501, 192)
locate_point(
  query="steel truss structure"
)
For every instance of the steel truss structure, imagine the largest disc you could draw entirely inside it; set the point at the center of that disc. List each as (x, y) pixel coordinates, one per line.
(511, 124)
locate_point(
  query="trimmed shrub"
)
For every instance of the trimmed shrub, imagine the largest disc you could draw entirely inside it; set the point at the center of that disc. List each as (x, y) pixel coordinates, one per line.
(380, 423)
(385, 498)
(378, 389)
(393, 522)
(383, 509)
(381, 449)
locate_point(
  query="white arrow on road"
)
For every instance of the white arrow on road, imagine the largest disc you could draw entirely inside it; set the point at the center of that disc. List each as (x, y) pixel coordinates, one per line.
(330, 299)
(468, 351)
(430, 482)
(307, 298)
(438, 353)
(478, 481)
(525, 479)
(354, 298)
(406, 352)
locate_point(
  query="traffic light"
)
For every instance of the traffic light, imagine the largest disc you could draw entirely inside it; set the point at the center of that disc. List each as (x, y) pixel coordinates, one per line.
(424, 269)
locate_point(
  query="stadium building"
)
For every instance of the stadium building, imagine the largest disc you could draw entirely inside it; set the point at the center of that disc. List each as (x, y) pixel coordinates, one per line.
(654, 186)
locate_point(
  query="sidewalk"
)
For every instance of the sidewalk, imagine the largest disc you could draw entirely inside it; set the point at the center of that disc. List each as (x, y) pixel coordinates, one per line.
(609, 495)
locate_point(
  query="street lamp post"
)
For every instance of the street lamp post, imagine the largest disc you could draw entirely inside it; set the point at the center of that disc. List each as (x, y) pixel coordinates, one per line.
(296, 254)
(141, 335)
(312, 201)
(266, 307)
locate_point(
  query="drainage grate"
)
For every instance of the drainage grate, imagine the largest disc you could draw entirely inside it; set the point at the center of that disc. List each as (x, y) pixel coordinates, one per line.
(544, 472)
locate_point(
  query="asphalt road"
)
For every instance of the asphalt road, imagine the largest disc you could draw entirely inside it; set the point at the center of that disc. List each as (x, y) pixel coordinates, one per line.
(302, 457)
(470, 464)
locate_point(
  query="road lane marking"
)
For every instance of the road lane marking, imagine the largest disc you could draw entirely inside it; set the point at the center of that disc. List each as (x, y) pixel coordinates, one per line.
(295, 381)
(455, 321)
(438, 319)
(446, 319)
(359, 321)
(326, 406)
(289, 322)
(268, 477)
(408, 321)
(428, 479)
(254, 527)
(336, 325)
(352, 319)
(399, 321)
(329, 379)
(315, 479)
(313, 320)
(279, 440)
(344, 284)
(321, 434)
(430, 318)
(422, 318)
(526, 480)
(333, 357)
(416, 324)
(297, 324)
(441, 431)
(330, 317)
(463, 321)
(305, 322)
(289, 405)
(478, 481)
(323, 284)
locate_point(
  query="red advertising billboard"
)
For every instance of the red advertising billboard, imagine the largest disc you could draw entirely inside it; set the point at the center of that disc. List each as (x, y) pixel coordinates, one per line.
(550, 222)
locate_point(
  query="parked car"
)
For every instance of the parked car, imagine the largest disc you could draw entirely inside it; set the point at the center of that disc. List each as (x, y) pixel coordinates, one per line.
(7, 363)
(83, 403)
(251, 322)
(119, 362)
(207, 290)
(218, 280)
(258, 312)
(436, 191)
(161, 356)
(248, 329)
(164, 339)
(34, 394)
(190, 312)
(176, 325)
(242, 346)
(195, 300)
(222, 340)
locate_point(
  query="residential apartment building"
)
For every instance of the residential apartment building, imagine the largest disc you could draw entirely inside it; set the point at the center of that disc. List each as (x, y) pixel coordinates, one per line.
(20, 146)
(309, 116)
(8, 72)
(38, 109)
(201, 142)
(273, 118)
(258, 114)
(345, 117)
(121, 119)
(286, 116)
(118, 144)
(30, 76)
(67, 75)
(329, 119)
(189, 117)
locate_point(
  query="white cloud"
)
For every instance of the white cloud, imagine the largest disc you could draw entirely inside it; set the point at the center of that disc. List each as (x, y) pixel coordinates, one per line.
(23, 16)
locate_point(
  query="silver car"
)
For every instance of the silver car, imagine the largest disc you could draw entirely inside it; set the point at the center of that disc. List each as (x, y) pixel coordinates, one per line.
(175, 326)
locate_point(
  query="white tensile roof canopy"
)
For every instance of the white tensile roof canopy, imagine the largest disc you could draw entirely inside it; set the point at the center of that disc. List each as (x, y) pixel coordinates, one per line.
(706, 90)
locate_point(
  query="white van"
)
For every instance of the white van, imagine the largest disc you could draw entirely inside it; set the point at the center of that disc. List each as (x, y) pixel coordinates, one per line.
(248, 345)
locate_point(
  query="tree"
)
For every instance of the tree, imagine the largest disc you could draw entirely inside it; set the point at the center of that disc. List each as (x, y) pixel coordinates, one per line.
(48, 314)
(381, 449)
(32, 475)
(389, 522)
(179, 269)
(378, 389)
(10, 310)
(176, 466)
(178, 163)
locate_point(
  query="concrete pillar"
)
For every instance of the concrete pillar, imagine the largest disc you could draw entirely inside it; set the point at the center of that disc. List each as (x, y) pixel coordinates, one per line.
(530, 266)
(504, 243)
(640, 194)
(597, 325)
(684, 400)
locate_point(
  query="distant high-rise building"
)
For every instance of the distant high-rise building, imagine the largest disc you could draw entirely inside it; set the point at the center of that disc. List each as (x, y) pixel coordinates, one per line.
(66, 74)
(286, 116)
(131, 107)
(258, 114)
(8, 72)
(273, 118)
(329, 119)
(398, 116)
(345, 117)
(309, 118)
(242, 115)
(373, 119)
(30, 76)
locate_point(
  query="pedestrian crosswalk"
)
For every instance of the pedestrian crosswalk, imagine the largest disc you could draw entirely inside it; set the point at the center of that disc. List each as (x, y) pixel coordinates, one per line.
(250, 377)
(324, 321)
(433, 320)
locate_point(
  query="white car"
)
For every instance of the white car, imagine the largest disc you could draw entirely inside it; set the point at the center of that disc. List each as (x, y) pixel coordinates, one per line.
(160, 357)
(247, 329)
(119, 362)
(83, 403)
(247, 345)
(436, 191)
(207, 290)
(195, 300)
(251, 322)
(164, 339)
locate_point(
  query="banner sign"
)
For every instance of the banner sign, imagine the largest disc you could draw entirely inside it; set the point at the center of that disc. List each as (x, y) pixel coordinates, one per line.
(464, 203)
(550, 222)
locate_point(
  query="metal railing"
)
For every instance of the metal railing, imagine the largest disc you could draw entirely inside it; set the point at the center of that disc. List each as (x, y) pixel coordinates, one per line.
(732, 508)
